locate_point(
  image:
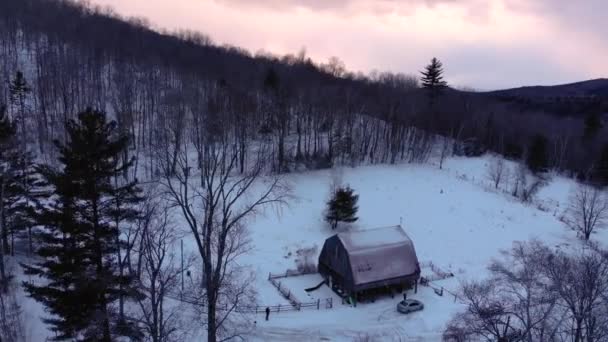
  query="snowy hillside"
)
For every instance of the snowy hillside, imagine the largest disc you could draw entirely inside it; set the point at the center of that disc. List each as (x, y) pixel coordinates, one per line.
(454, 217)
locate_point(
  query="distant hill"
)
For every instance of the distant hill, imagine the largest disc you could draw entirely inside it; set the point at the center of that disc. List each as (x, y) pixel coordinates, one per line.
(591, 88)
(573, 99)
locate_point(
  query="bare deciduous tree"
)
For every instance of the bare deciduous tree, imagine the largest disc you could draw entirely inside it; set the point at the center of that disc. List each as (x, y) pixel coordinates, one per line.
(161, 317)
(496, 171)
(446, 149)
(513, 304)
(216, 214)
(581, 282)
(487, 316)
(525, 184)
(521, 281)
(588, 210)
(537, 294)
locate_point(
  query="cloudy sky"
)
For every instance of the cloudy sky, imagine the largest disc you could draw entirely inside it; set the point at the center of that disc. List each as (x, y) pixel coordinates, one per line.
(484, 44)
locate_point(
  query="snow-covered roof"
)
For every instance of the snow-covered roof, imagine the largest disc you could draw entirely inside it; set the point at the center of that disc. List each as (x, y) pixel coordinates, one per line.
(379, 254)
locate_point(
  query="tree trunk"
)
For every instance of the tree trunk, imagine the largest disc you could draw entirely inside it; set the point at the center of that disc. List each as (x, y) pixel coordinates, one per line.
(211, 320)
(3, 231)
(3, 245)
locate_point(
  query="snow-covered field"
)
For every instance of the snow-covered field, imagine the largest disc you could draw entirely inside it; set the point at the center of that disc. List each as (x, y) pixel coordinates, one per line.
(454, 217)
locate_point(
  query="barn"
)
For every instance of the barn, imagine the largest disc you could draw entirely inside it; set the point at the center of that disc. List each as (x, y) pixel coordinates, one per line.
(363, 263)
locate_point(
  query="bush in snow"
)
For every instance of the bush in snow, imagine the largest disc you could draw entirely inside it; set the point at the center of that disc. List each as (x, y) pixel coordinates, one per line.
(497, 171)
(526, 184)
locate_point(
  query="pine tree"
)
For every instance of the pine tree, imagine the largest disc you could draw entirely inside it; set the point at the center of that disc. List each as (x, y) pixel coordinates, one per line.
(432, 79)
(7, 151)
(19, 90)
(16, 176)
(593, 124)
(342, 207)
(537, 159)
(19, 205)
(81, 241)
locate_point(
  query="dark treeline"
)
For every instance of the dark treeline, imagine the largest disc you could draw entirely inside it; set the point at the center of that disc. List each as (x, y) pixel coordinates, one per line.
(170, 91)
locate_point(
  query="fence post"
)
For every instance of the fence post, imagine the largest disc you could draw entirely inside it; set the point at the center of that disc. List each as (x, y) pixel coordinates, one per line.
(318, 303)
(279, 308)
(269, 277)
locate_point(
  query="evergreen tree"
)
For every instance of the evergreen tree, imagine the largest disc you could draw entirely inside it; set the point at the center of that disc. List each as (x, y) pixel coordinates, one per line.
(342, 207)
(593, 124)
(16, 176)
(537, 159)
(599, 173)
(432, 79)
(19, 90)
(7, 151)
(19, 201)
(81, 241)
(271, 81)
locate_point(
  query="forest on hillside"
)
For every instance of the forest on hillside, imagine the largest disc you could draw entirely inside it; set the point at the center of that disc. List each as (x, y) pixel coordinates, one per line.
(109, 129)
(170, 90)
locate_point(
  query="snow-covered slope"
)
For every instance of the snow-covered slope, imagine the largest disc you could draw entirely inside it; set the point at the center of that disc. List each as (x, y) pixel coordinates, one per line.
(454, 217)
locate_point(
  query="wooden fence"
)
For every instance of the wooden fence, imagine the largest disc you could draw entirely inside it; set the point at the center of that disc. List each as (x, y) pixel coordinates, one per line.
(438, 273)
(314, 305)
(295, 304)
(289, 273)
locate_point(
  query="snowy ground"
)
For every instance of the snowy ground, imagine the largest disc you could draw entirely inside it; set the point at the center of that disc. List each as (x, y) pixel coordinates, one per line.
(454, 217)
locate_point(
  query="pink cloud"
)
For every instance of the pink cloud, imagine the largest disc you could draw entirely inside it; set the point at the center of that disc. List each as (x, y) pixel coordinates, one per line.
(477, 39)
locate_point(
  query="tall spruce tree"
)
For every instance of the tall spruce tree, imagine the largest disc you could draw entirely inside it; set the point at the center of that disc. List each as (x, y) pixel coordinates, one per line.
(19, 91)
(81, 241)
(342, 207)
(432, 79)
(16, 177)
(7, 155)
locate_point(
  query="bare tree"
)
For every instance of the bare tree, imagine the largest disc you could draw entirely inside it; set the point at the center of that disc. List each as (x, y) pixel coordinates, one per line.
(581, 282)
(217, 214)
(525, 184)
(588, 210)
(487, 316)
(513, 304)
(159, 276)
(496, 171)
(446, 149)
(537, 294)
(521, 281)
